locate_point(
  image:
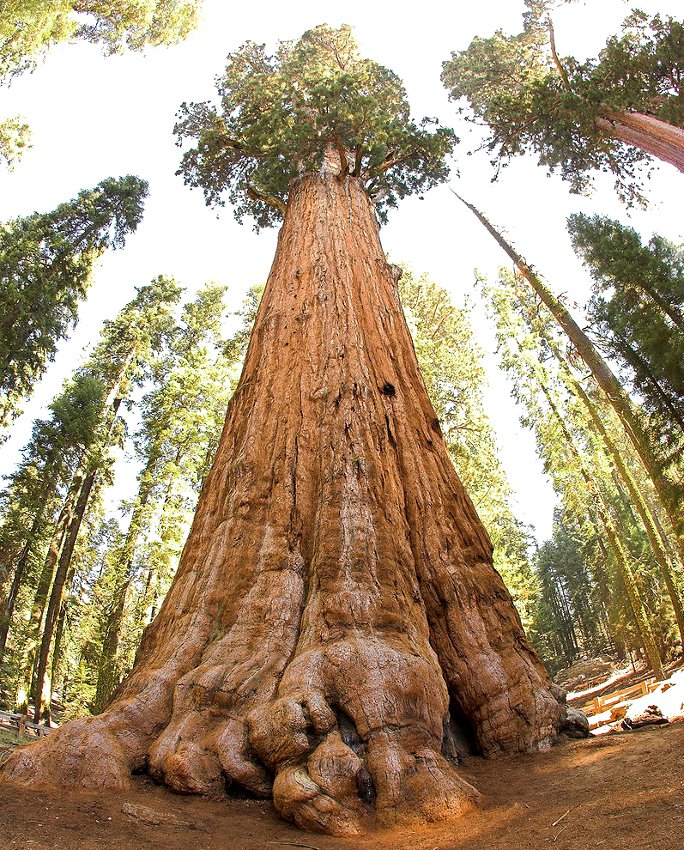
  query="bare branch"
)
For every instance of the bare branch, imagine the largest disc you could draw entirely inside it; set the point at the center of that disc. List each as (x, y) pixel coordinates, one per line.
(556, 61)
(271, 200)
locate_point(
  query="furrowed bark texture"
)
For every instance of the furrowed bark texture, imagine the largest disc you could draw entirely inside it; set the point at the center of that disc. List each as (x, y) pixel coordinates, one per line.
(657, 138)
(335, 627)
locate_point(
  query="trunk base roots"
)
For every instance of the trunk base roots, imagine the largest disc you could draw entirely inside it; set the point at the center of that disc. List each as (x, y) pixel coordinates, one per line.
(348, 745)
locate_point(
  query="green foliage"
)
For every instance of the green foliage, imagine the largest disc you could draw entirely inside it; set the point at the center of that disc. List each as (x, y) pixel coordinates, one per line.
(643, 69)
(74, 445)
(568, 616)
(451, 364)
(14, 139)
(46, 261)
(48, 459)
(637, 313)
(279, 114)
(137, 24)
(182, 416)
(29, 28)
(534, 101)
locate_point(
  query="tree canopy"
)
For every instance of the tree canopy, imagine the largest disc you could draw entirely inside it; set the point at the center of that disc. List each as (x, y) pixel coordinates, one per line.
(29, 28)
(637, 313)
(564, 110)
(280, 113)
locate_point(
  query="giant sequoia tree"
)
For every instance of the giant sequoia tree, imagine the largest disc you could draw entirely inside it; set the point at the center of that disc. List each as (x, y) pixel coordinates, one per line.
(335, 633)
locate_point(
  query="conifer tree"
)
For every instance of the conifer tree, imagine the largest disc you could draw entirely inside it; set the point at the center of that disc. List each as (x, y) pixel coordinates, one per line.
(598, 417)
(637, 314)
(28, 500)
(46, 260)
(182, 418)
(117, 364)
(669, 488)
(608, 114)
(569, 617)
(573, 453)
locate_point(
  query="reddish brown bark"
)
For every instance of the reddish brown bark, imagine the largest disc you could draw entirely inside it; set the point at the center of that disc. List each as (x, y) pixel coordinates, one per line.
(335, 627)
(651, 135)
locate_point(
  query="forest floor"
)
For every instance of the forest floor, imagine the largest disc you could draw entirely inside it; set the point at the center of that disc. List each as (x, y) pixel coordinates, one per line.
(618, 790)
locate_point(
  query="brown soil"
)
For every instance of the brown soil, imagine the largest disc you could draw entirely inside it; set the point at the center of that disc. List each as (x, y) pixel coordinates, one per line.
(618, 791)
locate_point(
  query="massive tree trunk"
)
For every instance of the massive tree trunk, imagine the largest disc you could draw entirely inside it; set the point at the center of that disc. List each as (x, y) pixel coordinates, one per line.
(336, 631)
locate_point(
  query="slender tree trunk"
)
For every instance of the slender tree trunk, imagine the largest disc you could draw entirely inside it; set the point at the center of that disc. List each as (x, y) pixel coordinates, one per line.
(568, 617)
(651, 135)
(671, 494)
(636, 603)
(107, 667)
(621, 557)
(335, 608)
(41, 688)
(20, 569)
(57, 650)
(658, 544)
(8, 608)
(108, 672)
(40, 600)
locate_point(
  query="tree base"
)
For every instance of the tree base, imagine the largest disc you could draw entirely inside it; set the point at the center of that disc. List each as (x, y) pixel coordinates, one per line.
(337, 784)
(351, 750)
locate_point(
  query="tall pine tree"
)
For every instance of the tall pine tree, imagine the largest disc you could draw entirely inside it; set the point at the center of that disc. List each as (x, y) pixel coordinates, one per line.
(46, 260)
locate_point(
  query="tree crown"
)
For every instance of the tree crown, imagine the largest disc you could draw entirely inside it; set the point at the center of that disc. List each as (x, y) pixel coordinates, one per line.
(533, 100)
(46, 261)
(29, 28)
(280, 114)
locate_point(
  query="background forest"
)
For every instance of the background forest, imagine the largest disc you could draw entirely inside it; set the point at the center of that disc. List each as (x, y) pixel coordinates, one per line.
(127, 307)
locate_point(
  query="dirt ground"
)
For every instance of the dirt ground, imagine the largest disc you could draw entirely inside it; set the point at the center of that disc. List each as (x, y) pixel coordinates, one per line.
(618, 791)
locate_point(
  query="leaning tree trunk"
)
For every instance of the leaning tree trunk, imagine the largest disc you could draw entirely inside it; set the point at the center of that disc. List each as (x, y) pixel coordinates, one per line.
(649, 134)
(335, 623)
(41, 688)
(669, 492)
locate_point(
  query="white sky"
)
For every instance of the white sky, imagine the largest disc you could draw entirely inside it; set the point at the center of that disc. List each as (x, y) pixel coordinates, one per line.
(93, 118)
